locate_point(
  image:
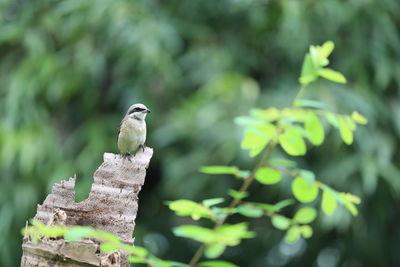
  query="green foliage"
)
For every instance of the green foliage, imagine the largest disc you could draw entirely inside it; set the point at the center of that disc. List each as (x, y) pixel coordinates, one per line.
(292, 141)
(184, 207)
(282, 162)
(280, 222)
(271, 209)
(250, 211)
(237, 194)
(305, 215)
(358, 118)
(78, 233)
(268, 175)
(109, 242)
(314, 129)
(328, 203)
(292, 234)
(257, 137)
(303, 190)
(288, 127)
(314, 63)
(212, 201)
(215, 240)
(224, 170)
(346, 130)
(216, 264)
(197, 233)
(306, 231)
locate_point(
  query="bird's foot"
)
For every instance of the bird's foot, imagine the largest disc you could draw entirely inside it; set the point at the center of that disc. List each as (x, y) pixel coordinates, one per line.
(142, 147)
(128, 156)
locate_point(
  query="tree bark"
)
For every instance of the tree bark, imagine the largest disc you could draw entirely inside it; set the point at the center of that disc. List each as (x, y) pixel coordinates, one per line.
(112, 206)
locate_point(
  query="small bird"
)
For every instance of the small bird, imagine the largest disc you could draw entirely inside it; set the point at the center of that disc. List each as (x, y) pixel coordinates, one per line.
(132, 131)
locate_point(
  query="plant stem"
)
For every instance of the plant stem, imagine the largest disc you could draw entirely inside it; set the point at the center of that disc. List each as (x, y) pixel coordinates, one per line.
(246, 184)
(300, 94)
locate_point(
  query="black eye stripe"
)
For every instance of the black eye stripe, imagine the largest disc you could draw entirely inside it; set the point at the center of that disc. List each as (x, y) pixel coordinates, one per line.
(136, 110)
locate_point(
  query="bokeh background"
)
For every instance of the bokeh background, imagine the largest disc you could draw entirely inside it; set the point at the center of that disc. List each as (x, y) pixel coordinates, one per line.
(69, 70)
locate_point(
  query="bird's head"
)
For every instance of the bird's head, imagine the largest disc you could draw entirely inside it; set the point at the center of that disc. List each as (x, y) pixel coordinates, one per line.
(138, 111)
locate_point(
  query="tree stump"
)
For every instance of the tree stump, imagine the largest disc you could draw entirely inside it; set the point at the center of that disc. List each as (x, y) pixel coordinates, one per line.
(111, 206)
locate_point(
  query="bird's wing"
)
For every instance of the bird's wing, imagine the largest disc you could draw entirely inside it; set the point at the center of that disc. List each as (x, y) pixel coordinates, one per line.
(119, 129)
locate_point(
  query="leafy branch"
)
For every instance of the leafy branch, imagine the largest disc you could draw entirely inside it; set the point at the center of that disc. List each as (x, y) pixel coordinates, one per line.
(264, 130)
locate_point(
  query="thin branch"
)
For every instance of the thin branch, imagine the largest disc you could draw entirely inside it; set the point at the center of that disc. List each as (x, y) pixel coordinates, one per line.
(246, 184)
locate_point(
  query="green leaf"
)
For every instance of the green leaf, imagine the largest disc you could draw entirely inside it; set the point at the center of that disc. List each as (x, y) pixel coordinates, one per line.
(273, 208)
(214, 250)
(107, 247)
(212, 201)
(280, 222)
(314, 129)
(332, 119)
(78, 232)
(163, 263)
(223, 211)
(266, 175)
(134, 259)
(358, 118)
(237, 194)
(351, 207)
(53, 231)
(351, 123)
(349, 201)
(250, 211)
(138, 251)
(317, 58)
(308, 73)
(220, 170)
(283, 203)
(332, 75)
(306, 231)
(256, 138)
(326, 49)
(352, 198)
(292, 234)
(197, 233)
(309, 103)
(309, 176)
(106, 236)
(282, 162)
(305, 215)
(265, 207)
(231, 234)
(184, 207)
(292, 142)
(345, 130)
(304, 191)
(217, 264)
(328, 203)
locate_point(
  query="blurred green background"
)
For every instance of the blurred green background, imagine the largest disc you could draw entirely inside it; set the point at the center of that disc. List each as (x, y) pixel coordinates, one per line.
(69, 70)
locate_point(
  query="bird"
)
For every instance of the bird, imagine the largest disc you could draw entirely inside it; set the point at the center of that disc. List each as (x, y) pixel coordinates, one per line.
(132, 131)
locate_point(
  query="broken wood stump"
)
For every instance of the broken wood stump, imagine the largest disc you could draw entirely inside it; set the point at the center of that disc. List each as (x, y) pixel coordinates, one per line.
(111, 206)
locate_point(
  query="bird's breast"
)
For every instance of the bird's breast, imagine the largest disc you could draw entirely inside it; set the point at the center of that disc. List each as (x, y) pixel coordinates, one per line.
(132, 134)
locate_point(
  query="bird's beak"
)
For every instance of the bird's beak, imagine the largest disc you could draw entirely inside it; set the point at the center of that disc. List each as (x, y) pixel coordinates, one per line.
(147, 111)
